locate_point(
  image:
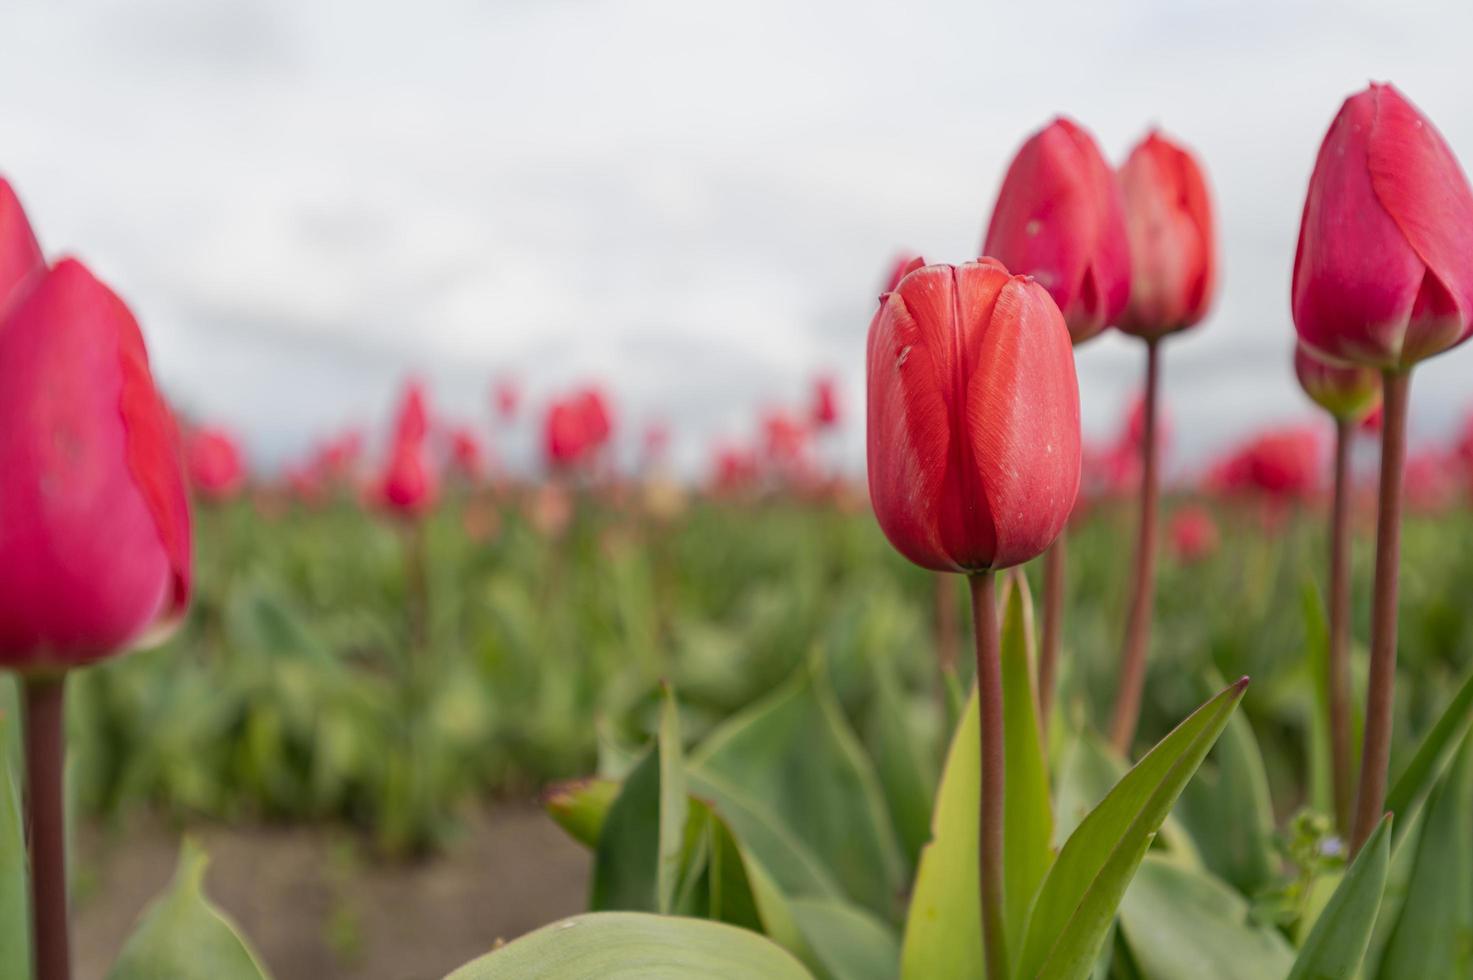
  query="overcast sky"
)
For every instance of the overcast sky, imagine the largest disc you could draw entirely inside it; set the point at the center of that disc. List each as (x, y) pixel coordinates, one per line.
(306, 201)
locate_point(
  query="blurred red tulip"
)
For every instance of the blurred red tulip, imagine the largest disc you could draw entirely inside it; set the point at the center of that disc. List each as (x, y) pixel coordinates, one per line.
(216, 468)
(1347, 392)
(577, 427)
(1060, 219)
(466, 454)
(412, 420)
(1282, 463)
(409, 485)
(1431, 481)
(95, 539)
(508, 396)
(973, 435)
(825, 403)
(1193, 534)
(733, 468)
(21, 263)
(1382, 275)
(904, 265)
(1173, 246)
(784, 439)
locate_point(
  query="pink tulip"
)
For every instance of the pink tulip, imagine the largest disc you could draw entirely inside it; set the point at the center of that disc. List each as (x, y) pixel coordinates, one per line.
(216, 468)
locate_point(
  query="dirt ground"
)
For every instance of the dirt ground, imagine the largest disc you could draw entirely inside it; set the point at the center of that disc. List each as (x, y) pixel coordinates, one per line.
(317, 906)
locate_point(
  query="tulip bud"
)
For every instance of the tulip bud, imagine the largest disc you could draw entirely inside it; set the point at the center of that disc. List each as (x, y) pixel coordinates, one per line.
(215, 466)
(1383, 276)
(1347, 392)
(1193, 534)
(94, 524)
(409, 484)
(21, 263)
(1173, 249)
(973, 417)
(1059, 218)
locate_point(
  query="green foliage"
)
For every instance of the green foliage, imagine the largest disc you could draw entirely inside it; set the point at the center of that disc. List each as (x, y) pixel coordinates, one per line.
(15, 933)
(1335, 946)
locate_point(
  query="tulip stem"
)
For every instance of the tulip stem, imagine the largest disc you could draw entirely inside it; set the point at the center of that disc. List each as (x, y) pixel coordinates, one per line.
(1381, 684)
(989, 705)
(1138, 625)
(1338, 657)
(46, 824)
(1054, 562)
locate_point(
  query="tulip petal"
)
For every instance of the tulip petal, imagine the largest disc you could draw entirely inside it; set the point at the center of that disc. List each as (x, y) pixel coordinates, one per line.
(21, 263)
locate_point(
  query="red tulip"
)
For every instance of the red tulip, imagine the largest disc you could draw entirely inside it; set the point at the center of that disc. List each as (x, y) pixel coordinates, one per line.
(1431, 481)
(1059, 218)
(1173, 248)
(784, 438)
(733, 468)
(409, 483)
(95, 533)
(1282, 463)
(1193, 534)
(508, 395)
(1382, 276)
(577, 427)
(825, 403)
(216, 468)
(656, 441)
(466, 453)
(21, 263)
(412, 422)
(1347, 392)
(904, 265)
(973, 435)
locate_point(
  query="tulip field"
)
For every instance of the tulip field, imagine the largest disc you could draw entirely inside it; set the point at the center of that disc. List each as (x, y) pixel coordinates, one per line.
(1009, 703)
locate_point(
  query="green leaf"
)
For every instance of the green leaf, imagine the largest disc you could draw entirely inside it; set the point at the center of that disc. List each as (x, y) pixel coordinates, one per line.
(182, 936)
(904, 760)
(1028, 821)
(1433, 936)
(847, 942)
(1337, 943)
(1228, 810)
(15, 931)
(1083, 888)
(1184, 923)
(637, 862)
(580, 806)
(1430, 757)
(632, 945)
(791, 762)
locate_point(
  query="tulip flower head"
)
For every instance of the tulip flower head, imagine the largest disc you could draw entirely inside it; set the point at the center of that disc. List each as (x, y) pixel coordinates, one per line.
(507, 396)
(410, 485)
(1193, 534)
(466, 453)
(216, 468)
(95, 539)
(1280, 464)
(1348, 392)
(21, 263)
(1382, 275)
(973, 417)
(825, 403)
(1060, 219)
(577, 427)
(412, 421)
(904, 265)
(1173, 244)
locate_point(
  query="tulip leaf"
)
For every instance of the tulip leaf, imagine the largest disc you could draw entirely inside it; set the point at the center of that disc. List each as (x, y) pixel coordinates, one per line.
(1433, 935)
(183, 935)
(1431, 756)
(1335, 946)
(847, 943)
(637, 861)
(790, 763)
(15, 933)
(1184, 923)
(1077, 901)
(580, 806)
(903, 759)
(599, 945)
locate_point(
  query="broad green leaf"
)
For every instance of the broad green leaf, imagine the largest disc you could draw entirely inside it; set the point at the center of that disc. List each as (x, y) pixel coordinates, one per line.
(904, 761)
(1027, 814)
(635, 946)
(637, 862)
(184, 937)
(943, 937)
(580, 806)
(1184, 923)
(847, 942)
(1335, 946)
(1430, 757)
(792, 756)
(1228, 810)
(1433, 936)
(1083, 888)
(15, 930)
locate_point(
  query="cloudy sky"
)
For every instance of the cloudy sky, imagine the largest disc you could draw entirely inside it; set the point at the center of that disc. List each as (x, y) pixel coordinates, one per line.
(307, 201)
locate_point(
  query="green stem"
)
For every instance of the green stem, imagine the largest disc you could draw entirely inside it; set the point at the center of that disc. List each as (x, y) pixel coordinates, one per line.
(989, 705)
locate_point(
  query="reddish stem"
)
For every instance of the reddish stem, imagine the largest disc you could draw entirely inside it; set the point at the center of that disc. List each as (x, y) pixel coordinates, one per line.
(1338, 659)
(1138, 625)
(989, 705)
(1381, 684)
(1054, 562)
(46, 825)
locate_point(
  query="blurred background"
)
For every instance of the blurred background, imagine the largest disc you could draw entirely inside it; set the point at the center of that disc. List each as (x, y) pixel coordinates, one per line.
(690, 208)
(304, 202)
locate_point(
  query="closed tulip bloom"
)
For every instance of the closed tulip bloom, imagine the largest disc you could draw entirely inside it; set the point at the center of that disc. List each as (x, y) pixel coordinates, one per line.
(1383, 275)
(1348, 392)
(973, 417)
(95, 534)
(216, 467)
(1059, 218)
(409, 484)
(577, 427)
(21, 264)
(1193, 534)
(1173, 242)
(412, 421)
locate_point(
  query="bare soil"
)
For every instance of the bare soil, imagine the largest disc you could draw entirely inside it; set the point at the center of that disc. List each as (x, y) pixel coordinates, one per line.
(317, 905)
